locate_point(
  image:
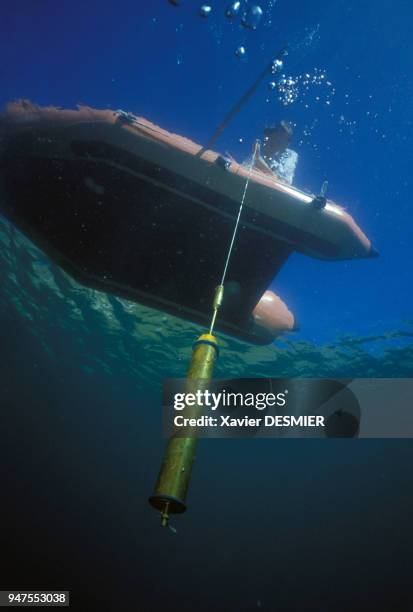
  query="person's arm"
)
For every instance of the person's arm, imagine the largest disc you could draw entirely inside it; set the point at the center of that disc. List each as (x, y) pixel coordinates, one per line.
(259, 163)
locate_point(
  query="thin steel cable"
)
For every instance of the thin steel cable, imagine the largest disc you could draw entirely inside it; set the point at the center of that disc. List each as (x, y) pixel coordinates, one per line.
(231, 246)
(220, 288)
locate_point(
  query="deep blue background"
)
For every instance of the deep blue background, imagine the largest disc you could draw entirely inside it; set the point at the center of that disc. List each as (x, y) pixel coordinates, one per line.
(272, 525)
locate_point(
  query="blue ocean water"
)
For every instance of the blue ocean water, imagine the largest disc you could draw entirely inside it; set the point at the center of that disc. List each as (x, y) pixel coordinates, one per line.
(298, 525)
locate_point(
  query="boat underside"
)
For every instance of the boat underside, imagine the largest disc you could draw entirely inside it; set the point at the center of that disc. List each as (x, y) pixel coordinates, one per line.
(120, 230)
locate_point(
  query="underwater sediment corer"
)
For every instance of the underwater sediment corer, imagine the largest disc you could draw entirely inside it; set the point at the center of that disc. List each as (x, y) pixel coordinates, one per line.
(271, 67)
(173, 481)
(175, 473)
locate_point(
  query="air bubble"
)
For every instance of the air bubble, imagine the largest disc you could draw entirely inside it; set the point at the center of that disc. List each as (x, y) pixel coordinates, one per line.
(232, 10)
(205, 10)
(252, 17)
(277, 65)
(240, 51)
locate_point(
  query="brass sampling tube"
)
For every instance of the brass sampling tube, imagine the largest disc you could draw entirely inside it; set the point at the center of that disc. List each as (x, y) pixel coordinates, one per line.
(175, 473)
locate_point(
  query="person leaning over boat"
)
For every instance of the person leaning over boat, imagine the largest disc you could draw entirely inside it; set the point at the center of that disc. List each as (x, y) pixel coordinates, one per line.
(274, 157)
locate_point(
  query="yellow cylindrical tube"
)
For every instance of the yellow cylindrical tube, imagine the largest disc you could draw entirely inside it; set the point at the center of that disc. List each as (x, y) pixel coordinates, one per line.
(175, 473)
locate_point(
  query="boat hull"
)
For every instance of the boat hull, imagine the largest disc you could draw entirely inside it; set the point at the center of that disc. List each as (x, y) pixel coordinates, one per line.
(114, 230)
(129, 208)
